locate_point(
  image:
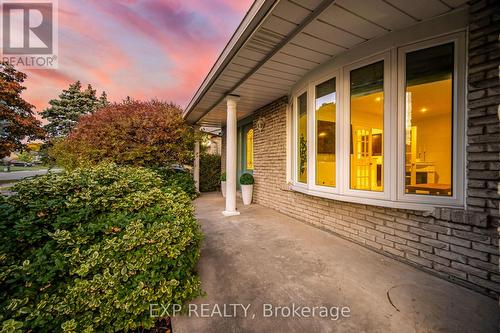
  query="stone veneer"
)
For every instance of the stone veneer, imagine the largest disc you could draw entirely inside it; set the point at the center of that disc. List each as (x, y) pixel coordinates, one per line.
(460, 245)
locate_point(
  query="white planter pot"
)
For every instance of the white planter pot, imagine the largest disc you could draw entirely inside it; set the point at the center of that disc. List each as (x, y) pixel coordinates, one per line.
(223, 188)
(246, 193)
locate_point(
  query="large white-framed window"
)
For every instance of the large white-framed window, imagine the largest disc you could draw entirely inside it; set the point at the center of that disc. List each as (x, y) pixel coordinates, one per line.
(325, 133)
(373, 127)
(431, 115)
(367, 122)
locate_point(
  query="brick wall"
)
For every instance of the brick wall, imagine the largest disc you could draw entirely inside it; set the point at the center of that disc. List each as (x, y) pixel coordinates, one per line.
(483, 130)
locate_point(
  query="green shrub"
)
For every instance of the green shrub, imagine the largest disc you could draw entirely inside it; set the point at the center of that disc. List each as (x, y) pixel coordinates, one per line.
(246, 179)
(89, 250)
(183, 180)
(209, 172)
(25, 157)
(223, 177)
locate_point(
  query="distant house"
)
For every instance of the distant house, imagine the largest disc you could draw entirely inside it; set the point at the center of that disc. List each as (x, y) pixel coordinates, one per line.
(376, 120)
(213, 144)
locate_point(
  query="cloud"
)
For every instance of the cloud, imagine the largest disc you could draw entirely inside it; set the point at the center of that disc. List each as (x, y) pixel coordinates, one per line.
(139, 48)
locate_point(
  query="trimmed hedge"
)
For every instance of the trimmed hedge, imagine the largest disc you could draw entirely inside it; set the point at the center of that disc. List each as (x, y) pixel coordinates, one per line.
(89, 250)
(183, 180)
(210, 166)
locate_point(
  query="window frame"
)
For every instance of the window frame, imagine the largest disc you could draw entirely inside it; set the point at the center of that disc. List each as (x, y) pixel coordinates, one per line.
(393, 194)
(312, 181)
(458, 123)
(387, 135)
(295, 171)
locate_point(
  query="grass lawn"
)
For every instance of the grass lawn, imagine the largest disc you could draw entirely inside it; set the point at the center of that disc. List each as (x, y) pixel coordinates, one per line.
(33, 168)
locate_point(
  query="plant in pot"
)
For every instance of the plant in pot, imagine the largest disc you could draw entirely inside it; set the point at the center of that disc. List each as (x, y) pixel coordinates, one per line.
(246, 182)
(223, 184)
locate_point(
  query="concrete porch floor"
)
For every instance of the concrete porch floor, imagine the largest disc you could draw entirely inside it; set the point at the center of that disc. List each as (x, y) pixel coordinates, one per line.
(263, 257)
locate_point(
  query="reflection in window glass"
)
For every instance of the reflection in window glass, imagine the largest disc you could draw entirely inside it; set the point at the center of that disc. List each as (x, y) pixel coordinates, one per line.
(325, 133)
(428, 120)
(367, 127)
(302, 138)
(249, 147)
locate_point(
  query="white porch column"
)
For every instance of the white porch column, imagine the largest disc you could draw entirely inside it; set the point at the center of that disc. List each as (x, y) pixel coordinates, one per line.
(196, 166)
(231, 155)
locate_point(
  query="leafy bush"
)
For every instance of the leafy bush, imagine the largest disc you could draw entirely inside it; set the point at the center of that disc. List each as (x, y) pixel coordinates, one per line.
(209, 172)
(89, 250)
(151, 134)
(175, 178)
(223, 177)
(56, 152)
(25, 157)
(246, 179)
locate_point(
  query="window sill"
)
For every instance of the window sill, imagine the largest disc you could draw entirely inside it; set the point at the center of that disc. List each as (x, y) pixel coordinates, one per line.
(372, 202)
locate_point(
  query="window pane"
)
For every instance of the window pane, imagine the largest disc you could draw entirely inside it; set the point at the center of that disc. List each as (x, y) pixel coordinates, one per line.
(249, 156)
(325, 133)
(367, 127)
(302, 138)
(429, 117)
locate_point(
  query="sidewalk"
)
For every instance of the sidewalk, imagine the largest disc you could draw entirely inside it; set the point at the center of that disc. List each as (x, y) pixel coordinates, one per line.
(263, 257)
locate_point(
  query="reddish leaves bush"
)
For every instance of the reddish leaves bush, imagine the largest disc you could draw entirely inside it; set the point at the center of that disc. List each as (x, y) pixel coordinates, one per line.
(151, 134)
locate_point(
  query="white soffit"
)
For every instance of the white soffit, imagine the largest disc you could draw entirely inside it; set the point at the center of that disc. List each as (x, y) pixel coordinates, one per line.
(291, 38)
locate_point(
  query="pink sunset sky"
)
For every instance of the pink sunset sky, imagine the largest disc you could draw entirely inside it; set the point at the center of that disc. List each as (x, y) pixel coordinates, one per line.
(139, 48)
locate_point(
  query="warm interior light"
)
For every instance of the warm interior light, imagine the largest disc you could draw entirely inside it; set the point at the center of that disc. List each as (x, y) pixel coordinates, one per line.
(367, 128)
(322, 134)
(423, 110)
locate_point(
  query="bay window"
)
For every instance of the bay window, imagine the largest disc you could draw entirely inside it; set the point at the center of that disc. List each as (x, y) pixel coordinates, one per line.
(387, 131)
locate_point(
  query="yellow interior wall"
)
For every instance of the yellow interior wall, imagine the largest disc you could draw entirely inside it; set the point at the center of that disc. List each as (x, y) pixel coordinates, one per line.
(326, 163)
(434, 138)
(434, 126)
(249, 146)
(367, 112)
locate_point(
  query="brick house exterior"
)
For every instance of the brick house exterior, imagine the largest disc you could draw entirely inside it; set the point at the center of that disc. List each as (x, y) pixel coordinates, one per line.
(483, 130)
(461, 245)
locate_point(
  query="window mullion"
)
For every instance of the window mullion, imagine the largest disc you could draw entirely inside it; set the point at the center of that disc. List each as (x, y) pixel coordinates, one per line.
(311, 138)
(342, 171)
(393, 130)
